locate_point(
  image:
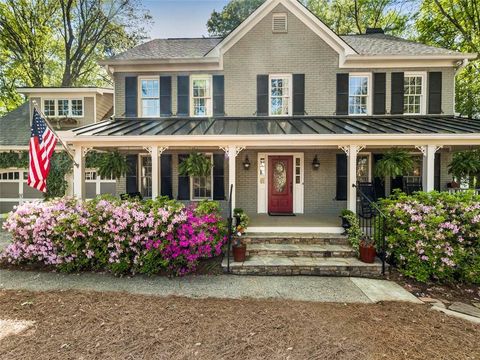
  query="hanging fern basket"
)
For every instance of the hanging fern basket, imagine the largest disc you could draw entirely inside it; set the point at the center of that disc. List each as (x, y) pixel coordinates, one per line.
(195, 164)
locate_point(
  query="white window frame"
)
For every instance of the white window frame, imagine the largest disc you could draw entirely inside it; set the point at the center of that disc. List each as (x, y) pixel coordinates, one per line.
(209, 98)
(423, 97)
(140, 97)
(290, 93)
(22, 183)
(140, 175)
(192, 198)
(369, 92)
(57, 99)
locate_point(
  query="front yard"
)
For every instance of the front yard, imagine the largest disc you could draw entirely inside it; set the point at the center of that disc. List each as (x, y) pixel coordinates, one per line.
(76, 325)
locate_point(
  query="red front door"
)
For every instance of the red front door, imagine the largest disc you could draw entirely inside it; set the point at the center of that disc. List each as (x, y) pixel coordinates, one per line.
(280, 184)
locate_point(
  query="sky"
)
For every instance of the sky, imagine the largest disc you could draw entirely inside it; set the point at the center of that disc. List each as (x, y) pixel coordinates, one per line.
(181, 18)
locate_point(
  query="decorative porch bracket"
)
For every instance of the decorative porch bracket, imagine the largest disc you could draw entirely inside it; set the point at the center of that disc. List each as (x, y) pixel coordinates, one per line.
(231, 152)
(428, 165)
(351, 151)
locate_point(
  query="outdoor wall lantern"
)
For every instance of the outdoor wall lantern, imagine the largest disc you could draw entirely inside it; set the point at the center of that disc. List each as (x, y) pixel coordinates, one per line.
(246, 163)
(316, 163)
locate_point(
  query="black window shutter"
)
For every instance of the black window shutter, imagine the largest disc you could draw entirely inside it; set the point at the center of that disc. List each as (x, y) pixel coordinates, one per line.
(165, 96)
(131, 96)
(342, 94)
(435, 92)
(398, 85)
(341, 177)
(218, 177)
(379, 93)
(298, 94)
(166, 175)
(183, 95)
(183, 181)
(437, 170)
(218, 95)
(131, 176)
(262, 95)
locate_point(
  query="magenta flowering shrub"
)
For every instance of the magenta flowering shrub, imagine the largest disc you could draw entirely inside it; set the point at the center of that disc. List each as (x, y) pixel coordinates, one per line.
(434, 235)
(119, 236)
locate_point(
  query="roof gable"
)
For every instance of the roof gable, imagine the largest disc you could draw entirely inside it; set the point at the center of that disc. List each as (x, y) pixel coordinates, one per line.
(297, 9)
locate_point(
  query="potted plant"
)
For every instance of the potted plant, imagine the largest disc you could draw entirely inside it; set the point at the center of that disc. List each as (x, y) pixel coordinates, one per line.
(239, 228)
(344, 215)
(464, 167)
(367, 250)
(395, 162)
(195, 164)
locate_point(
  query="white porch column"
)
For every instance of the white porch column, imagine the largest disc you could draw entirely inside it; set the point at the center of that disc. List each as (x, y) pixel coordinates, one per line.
(155, 171)
(232, 172)
(79, 172)
(352, 151)
(428, 166)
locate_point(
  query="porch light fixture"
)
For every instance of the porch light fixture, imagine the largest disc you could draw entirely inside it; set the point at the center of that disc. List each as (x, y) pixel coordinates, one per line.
(246, 163)
(316, 163)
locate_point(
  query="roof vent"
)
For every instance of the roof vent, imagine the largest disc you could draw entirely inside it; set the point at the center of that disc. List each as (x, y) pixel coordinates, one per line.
(279, 23)
(374, 31)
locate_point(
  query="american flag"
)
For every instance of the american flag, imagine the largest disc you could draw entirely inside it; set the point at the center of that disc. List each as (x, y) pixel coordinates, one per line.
(42, 145)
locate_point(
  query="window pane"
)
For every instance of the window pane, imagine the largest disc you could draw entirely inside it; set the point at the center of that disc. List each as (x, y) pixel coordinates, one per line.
(62, 106)
(413, 94)
(49, 107)
(150, 107)
(150, 88)
(358, 95)
(279, 95)
(77, 107)
(200, 107)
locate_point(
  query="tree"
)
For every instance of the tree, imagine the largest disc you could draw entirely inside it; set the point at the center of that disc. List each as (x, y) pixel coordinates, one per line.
(90, 28)
(455, 24)
(223, 22)
(354, 17)
(343, 16)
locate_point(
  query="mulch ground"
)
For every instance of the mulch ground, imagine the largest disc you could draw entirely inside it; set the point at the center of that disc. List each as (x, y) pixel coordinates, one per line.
(91, 325)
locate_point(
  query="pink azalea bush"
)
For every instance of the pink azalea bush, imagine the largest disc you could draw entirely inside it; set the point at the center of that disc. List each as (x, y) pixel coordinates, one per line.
(434, 235)
(119, 236)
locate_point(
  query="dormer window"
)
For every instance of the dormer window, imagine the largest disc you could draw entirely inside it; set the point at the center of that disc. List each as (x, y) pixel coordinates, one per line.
(279, 23)
(63, 107)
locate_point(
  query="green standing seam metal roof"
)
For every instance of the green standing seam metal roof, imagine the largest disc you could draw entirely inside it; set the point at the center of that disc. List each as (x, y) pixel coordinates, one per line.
(301, 125)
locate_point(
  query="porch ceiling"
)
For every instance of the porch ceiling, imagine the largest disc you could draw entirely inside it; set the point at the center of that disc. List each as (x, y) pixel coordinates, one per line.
(334, 125)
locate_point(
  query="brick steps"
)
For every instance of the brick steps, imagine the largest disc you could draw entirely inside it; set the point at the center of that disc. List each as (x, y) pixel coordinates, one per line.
(303, 250)
(301, 254)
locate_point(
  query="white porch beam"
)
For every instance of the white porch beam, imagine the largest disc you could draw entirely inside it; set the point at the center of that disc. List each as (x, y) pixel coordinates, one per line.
(428, 166)
(155, 171)
(79, 172)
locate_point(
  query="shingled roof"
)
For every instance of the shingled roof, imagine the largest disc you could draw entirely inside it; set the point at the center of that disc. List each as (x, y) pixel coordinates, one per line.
(365, 44)
(15, 127)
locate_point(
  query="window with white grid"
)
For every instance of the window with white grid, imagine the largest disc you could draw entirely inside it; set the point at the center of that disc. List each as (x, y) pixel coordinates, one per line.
(358, 94)
(201, 90)
(150, 97)
(280, 95)
(414, 94)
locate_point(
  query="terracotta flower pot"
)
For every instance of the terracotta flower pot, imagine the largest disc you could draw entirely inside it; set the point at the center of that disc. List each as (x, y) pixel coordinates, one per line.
(239, 253)
(367, 254)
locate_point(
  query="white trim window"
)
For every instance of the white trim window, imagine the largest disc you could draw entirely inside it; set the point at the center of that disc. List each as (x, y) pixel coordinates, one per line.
(149, 98)
(414, 99)
(280, 95)
(201, 187)
(63, 107)
(92, 177)
(201, 95)
(359, 94)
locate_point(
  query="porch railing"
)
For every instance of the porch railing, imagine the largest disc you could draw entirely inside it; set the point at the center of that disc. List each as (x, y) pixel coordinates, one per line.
(229, 224)
(372, 223)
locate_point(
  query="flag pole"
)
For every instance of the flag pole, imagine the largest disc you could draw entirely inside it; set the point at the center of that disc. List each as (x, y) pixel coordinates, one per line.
(54, 133)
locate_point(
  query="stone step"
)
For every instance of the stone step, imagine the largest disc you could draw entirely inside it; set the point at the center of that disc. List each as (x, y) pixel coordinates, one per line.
(292, 238)
(275, 265)
(300, 250)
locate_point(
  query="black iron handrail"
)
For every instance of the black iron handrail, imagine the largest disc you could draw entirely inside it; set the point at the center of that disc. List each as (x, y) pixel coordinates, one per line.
(229, 224)
(372, 223)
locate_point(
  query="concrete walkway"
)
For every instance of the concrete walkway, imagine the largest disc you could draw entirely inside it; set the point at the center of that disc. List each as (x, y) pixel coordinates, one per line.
(304, 288)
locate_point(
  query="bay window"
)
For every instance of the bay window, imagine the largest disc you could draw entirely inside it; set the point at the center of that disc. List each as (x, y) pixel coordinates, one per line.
(149, 96)
(201, 95)
(359, 94)
(414, 94)
(280, 95)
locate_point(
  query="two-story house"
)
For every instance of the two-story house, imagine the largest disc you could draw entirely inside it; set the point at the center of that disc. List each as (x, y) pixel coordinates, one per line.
(65, 108)
(291, 114)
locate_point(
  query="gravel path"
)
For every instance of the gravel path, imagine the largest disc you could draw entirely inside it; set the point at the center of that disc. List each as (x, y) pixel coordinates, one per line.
(304, 288)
